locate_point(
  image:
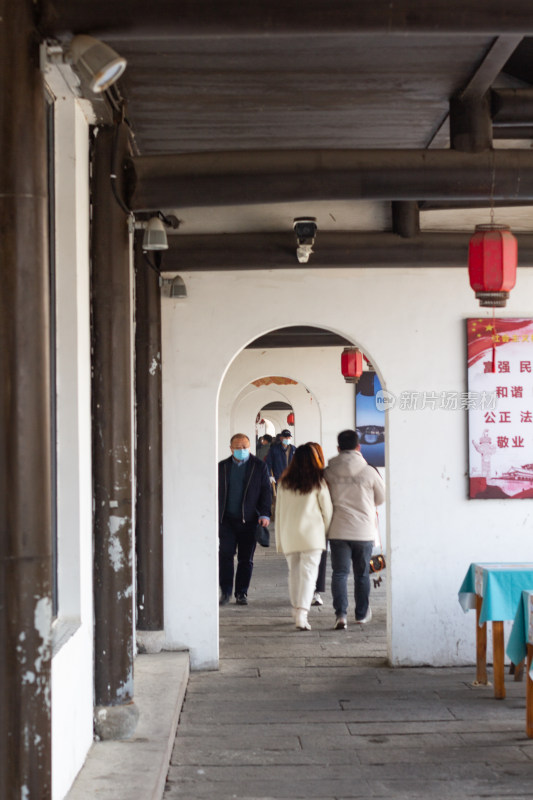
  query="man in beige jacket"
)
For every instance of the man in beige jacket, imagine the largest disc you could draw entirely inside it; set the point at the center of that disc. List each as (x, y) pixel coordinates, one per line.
(356, 489)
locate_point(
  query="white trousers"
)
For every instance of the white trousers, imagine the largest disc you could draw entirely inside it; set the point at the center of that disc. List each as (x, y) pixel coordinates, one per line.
(303, 569)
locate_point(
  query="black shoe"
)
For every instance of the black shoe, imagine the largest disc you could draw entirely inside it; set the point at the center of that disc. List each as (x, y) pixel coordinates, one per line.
(241, 600)
(224, 599)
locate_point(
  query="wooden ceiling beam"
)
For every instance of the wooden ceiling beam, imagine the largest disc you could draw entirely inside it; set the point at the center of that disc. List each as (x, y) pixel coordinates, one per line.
(136, 19)
(331, 250)
(512, 106)
(270, 176)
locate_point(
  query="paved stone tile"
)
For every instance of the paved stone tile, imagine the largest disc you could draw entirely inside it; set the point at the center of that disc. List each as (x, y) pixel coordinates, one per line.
(274, 782)
(255, 730)
(320, 715)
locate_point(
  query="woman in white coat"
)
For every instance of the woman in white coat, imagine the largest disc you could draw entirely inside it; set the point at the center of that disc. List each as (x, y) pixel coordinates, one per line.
(303, 516)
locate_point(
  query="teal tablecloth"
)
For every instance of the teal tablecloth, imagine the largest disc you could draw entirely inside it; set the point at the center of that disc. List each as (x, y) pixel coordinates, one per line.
(499, 584)
(522, 631)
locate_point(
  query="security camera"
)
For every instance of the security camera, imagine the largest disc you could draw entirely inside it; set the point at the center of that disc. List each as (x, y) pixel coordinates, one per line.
(305, 229)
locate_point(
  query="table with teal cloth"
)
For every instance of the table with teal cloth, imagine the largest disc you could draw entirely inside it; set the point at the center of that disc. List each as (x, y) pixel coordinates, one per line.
(499, 584)
(494, 590)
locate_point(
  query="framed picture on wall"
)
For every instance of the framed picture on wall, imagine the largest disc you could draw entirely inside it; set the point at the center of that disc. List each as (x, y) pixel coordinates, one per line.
(500, 408)
(369, 420)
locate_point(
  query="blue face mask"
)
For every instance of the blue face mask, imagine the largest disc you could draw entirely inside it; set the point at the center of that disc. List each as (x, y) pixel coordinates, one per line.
(285, 441)
(241, 455)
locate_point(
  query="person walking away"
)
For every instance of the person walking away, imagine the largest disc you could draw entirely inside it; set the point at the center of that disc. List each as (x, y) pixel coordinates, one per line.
(264, 446)
(356, 489)
(244, 500)
(303, 516)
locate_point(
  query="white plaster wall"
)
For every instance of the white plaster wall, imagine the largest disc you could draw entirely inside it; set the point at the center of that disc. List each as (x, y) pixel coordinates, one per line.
(410, 323)
(72, 663)
(278, 418)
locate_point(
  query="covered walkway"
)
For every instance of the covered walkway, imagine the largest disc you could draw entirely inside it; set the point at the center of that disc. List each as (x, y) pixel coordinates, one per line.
(320, 715)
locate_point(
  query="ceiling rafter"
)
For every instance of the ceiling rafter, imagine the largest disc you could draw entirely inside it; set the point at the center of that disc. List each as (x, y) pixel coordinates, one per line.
(138, 19)
(272, 251)
(269, 176)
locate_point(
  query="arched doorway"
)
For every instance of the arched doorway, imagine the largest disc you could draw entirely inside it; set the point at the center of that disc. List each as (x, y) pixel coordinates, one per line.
(308, 360)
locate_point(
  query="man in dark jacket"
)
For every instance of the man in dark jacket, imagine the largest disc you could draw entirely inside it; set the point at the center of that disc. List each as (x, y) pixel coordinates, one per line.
(280, 455)
(244, 499)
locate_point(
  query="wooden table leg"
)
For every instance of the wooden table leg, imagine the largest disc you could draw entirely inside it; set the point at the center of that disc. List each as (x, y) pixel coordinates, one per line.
(517, 670)
(529, 694)
(498, 659)
(481, 645)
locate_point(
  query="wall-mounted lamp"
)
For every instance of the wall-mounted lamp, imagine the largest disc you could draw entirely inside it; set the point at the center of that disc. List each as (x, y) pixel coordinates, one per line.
(155, 234)
(173, 287)
(305, 229)
(97, 64)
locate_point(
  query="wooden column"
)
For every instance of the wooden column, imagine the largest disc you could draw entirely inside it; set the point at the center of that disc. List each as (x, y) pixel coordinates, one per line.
(405, 218)
(115, 713)
(149, 469)
(470, 124)
(25, 487)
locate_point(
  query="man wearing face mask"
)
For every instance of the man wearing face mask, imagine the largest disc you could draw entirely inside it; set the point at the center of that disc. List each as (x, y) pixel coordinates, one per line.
(244, 499)
(280, 455)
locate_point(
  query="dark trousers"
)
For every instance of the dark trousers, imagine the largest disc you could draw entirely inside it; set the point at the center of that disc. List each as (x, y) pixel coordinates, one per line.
(321, 577)
(235, 537)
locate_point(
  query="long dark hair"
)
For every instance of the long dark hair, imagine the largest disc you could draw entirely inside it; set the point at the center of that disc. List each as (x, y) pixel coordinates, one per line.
(303, 473)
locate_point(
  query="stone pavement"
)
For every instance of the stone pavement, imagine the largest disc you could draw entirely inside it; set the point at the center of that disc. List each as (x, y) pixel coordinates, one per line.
(320, 715)
(136, 768)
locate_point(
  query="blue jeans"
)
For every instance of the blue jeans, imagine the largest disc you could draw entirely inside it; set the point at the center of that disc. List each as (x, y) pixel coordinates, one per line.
(346, 554)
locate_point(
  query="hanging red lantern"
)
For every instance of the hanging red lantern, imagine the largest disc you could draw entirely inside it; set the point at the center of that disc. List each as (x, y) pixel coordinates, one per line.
(290, 419)
(492, 260)
(351, 364)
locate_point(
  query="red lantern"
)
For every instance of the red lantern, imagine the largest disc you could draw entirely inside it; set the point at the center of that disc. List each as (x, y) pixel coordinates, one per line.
(351, 364)
(290, 419)
(492, 260)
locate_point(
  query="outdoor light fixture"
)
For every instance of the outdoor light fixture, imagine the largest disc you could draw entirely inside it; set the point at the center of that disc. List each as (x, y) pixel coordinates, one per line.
(97, 64)
(177, 287)
(173, 287)
(95, 61)
(305, 229)
(492, 261)
(155, 235)
(351, 364)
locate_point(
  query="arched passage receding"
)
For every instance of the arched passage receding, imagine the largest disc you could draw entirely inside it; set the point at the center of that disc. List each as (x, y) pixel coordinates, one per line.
(193, 384)
(243, 406)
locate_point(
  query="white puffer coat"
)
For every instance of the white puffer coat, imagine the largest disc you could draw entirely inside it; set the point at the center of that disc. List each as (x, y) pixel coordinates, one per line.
(356, 489)
(302, 520)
